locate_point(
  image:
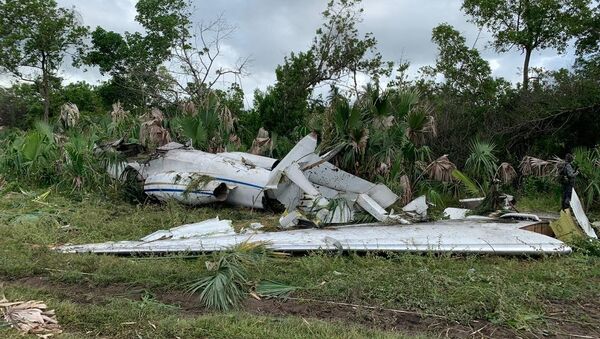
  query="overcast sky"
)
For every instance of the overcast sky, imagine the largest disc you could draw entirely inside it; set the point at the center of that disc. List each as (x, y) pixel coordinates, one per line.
(268, 30)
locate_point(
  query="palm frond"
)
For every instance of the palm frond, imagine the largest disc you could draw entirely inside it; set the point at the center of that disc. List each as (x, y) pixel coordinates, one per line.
(407, 193)
(224, 287)
(506, 173)
(536, 167)
(273, 289)
(467, 183)
(441, 169)
(481, 162)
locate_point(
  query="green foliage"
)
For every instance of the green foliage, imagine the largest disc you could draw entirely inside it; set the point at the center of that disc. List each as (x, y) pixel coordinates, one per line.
(226, 284)
(337, 52)
(36, 34)
(471, 187)
(224, 288)
(85, 96)
(482, 163)
(588, 183)
(532, 185)
(41, 157)
(528, 26)
(273, 289)
(465, 72)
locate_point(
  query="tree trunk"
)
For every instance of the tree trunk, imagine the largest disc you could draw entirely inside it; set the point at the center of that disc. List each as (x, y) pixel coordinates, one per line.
(526, 68)
(45, 89)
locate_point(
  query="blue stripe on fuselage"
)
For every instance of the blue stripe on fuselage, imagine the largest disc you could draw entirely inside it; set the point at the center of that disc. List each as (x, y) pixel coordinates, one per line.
(177, 190)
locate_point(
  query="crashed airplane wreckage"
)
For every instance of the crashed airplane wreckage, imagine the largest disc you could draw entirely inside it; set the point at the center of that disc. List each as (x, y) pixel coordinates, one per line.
(303, 182)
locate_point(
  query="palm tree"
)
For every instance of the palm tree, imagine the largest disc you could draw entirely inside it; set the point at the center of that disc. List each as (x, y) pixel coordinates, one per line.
(481, 162)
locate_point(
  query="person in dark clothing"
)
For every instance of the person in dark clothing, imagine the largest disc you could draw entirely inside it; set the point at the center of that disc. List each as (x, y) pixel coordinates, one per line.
(568, 175)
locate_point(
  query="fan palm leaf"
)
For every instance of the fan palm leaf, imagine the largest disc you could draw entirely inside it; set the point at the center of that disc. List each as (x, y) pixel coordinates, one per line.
(481, 162)
(506, 173)
(441, 169)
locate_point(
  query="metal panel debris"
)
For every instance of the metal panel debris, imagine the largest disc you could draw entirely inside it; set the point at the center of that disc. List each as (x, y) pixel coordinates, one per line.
(579, 214)
(453, 213)
(200, 229)
(565, 227)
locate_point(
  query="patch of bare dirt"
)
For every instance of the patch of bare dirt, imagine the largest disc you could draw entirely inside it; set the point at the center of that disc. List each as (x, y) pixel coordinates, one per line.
(573, 319)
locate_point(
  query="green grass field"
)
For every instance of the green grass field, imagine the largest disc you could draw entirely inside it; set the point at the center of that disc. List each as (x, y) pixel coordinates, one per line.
(343, 295)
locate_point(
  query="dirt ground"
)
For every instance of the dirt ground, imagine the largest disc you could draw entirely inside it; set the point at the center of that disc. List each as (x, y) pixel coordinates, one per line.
(560, 323)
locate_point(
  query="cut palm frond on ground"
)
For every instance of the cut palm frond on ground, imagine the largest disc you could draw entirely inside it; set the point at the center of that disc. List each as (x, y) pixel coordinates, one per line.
(273, 289)
(30, 317)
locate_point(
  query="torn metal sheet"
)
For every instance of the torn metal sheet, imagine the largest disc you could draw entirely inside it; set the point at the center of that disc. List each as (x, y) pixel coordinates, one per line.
(417, 208)
(453, 213)
(579, 214)
(460, 236)
(199, 229)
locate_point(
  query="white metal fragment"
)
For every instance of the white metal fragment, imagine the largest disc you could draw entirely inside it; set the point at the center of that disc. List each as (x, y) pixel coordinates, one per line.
(579, 214)
(417, 207)
(471, 203)
(453, 213)
(200, 229)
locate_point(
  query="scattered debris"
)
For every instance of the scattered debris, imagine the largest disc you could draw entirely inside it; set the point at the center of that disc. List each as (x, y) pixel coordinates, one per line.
(254, 227)
(417, 209)
(471, 203)
(200, 229)
(30, 317)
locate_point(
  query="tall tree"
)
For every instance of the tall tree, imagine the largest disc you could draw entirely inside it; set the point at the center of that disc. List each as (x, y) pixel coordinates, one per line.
(137, 61)
(35, 36)
(528, 25)
(466, 96)
(465, 72)
(337, 56)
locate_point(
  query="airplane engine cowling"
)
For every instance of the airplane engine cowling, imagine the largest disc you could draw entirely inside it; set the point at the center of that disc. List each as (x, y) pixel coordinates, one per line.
(189, 188)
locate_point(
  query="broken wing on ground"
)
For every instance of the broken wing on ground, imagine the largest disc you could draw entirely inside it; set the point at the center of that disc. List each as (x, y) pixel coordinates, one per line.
(460, 236)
